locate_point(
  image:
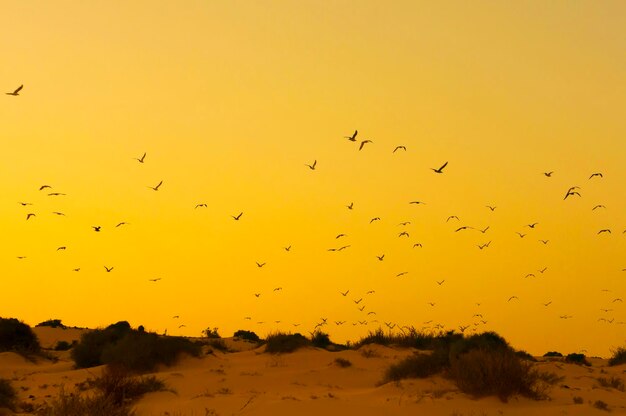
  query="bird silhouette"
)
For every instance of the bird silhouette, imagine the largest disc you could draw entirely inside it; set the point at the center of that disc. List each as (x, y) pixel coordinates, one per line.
(547, 304)
(340, 235)
(141, 159)
(401, 274)
(42, 187)
(108, 269)
(96, 228)
(56, 194)
(606, 230)
(405, 223)
(465, 227)
(399, 148)
(344, 294)
(236, 218)
(403, 233)
(287, 248)
(484, 230)
(598, 206)
(25, 203)
(440, 282)
(30, 215)
(544, 241)
(363, 143)
(260, 264)
(16, 92)
(520, 234)
(417, 245)
(598, 174)
(491, 208)
(374, 219)
(440, 170)
(201, 206)
(417, 202)
(312, 167)
(120, 224)
(548, 174)
(156, 188)
(61, 248)
(358, 301)
(353, 137)
(156, 279)
(58, 213)
(350, 206)
(542, 270)
(533, 225)
(512, 297)
(452, 217)
(380, 257)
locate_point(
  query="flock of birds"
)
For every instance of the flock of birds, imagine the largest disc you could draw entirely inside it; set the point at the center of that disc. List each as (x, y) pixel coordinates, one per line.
(370, 317)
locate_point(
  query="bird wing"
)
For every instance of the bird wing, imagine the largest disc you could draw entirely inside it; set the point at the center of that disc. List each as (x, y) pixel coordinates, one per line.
(18, 89)
(444, 165)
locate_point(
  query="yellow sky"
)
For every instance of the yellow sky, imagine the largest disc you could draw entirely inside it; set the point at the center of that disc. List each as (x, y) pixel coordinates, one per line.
(230, 101)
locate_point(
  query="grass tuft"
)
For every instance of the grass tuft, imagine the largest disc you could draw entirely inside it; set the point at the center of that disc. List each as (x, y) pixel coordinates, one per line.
(280, 342)
(8, 395)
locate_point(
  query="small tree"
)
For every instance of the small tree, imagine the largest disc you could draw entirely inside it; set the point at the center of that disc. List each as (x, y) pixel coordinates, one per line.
(211, 333)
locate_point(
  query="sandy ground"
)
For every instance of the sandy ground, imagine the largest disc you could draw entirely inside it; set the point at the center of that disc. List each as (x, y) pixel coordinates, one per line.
(309, 382)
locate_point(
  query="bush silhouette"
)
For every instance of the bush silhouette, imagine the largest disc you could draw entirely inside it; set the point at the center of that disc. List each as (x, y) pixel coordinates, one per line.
(553, 354)
(62, 346)
(8, 396)
(17, 336)
(279, 342)
(618, 357)
(417, 366)
(52, 323)
(575, 358)
(247, 335)
(132, 349)
(320, 339)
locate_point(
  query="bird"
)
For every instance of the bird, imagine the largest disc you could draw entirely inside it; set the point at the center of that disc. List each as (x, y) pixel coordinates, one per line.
(30, 215)
(548, 174)
(287, 248)
(58, 213)
(598, 206)
(403, 233)
(25, 203)
(405, 223)
(542, 270)
(120, 224)
(343, 248)
(339, 236)
(572, 191)
(201, 205)
(357, 301)
(260, 264)
(257, 295)
(21, 257)
(350, 206)
(491, 208)
(417, 202)
(276, 289)
(42, 187)
(512, 297)
(156, 279)
(156, 188)
(61, 248)
(547, 304)
(353, 137)
(440, 170)
(380, 257)
(520, 234)
(463, 328)
(484, 230)
(370, 292)
(108, 269)
(532, 225)
(363, 143)
(236, 218)
(361, 308)
(452, 217)
(482, 246)
(417, 245)
(399, 148)
(529, 275)
(344, 294)
(312, 167)
(76, 269)
(374, 219)
(56, 194)
(431, 303)
(544, 241)
(465, 227)
(16, 92)
(96, 228)
(617, 300)
(141, 159)
(596, 174)
(606, 230)
(440, 282)
(401, 274)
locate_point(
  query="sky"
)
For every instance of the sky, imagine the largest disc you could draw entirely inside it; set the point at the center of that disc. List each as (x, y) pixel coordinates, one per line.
(230, 101)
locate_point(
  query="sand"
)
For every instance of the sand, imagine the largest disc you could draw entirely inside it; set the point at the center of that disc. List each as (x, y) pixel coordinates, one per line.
(309, 382)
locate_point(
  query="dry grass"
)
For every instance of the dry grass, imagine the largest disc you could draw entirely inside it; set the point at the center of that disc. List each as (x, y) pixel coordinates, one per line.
(619, 356)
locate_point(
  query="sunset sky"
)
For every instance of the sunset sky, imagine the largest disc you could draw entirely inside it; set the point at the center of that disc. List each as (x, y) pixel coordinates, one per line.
(231, 100)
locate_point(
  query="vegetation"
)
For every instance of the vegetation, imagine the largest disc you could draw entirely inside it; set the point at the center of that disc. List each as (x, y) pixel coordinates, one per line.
(8, 396)
(553, 354)
(115, 391)
(575, 358)
(218, 344)
(62, 346)
(280, 342)
(481, 365)
(599, 404)
(211, 333)
(52, 323)
(578, 400)
(613, 382)
(135, 350)
(320, 339)
(247, 335)
(618, 357)
(342, 362)
(18, 337)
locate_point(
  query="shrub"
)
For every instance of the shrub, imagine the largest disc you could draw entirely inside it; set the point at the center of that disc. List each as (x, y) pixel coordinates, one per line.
(247, 335)
(342, 362)
(135, 350)
(52, 323)
(211, 333)
(320, 339)
(599, 404)
(62, 346)
(525, 356)
(279, 342)
(417, 366)
(613, 382)
(8, 396)
(218, 344)
(619, 356)
(578, 400)
(17, 336)
(481, 372)
(575, 358)
(553, 354)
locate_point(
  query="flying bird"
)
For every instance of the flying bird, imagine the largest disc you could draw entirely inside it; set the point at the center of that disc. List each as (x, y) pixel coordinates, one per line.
(358, 301)
(340, 235)
(380, 257)
(532, 225)
(374, 219)
(403, 233)
(350, 206)
(42, 187)
(417, 245)
(405, 223)
(363, 143)
(25, 203)
(16, 92)
(547, 304)
(121, 223)
(512, 297)
(399, 148)
(201, 205)
(345, 293)
(260, 264)
(30, 215)
(401, 274)
(287, 248)
(548, 174)
(56, 194)
(417, 202)
(491, 208)
(544, 241)
(440, 170)
(61, 248)
(156, 188)
(312, 167)
(440, 282)
(96, 228)
(596, 174)
(141, 159)
(108, 269)
(520, 234)
(484, 230)
(154, 280)
(236, 218)
(606, 230)
(465, 227)
(353, 137)
(452, 217)
(58, 213)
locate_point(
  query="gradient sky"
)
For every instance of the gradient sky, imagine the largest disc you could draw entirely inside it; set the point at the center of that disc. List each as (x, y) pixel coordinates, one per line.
(230, 100)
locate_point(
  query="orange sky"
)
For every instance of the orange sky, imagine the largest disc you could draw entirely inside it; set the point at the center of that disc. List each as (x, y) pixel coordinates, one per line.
(230, 101)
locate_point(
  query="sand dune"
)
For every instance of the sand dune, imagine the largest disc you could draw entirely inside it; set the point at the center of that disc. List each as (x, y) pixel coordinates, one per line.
(310, 382)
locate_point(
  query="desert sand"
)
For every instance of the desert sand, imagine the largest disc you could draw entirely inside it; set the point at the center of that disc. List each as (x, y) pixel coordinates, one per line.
(309, 382)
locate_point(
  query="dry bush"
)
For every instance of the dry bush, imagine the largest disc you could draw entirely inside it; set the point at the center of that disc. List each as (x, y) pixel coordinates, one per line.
(613, 382)
(280, 342)
(619, 356)
(8, 396)
(342, 362)
(416, 366)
